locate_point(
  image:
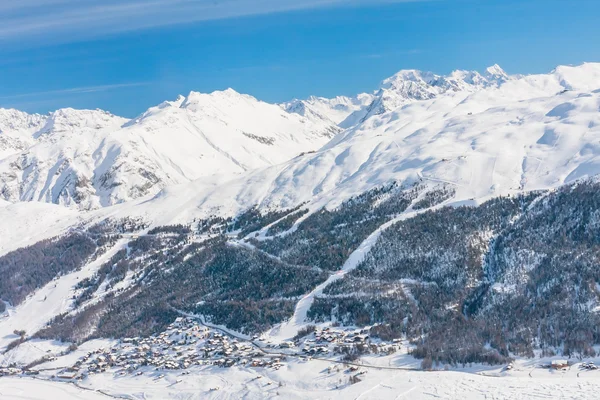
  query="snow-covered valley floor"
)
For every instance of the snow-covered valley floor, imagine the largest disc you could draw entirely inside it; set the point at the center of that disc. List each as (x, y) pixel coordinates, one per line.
(187, 362)
(314, 380)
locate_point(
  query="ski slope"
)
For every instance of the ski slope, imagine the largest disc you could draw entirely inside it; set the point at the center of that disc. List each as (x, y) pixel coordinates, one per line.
(47, 302)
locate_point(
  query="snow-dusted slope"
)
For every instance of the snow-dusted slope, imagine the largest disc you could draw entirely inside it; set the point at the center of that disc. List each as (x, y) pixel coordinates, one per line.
(336, 109)
(24, 224)
(58, 166)
(531, 132)
(90, 159)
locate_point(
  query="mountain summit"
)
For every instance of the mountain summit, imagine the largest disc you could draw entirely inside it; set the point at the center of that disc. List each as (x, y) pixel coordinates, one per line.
(404, 86)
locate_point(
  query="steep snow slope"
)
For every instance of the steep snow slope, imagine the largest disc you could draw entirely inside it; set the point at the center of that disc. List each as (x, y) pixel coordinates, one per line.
(531, 132)
(336, 109)
(226, 129)
(91, 159)
(58, 166)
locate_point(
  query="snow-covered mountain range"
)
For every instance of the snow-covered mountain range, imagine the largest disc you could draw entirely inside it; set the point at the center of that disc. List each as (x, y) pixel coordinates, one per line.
(90, 158)
(487, 134)
(401, 88)
(527, 133)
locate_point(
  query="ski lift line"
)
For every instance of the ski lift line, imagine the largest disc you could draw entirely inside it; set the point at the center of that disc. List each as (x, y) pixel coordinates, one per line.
(420, 175)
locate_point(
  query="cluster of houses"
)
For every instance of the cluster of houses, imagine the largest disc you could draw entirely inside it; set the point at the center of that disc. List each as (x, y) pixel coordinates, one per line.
(590, 366)
(7, 371)
(184, 344)
(337, 341)
(557, 364)
(564, 364)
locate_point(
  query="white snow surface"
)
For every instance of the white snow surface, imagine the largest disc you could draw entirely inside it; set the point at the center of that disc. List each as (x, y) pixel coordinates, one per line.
(34, 389)
(337, 109)
(319, 379)
(24, 224)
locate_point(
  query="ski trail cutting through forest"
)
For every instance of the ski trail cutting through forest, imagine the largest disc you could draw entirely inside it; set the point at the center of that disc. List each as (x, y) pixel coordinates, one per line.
(288, 329)
(51, 300)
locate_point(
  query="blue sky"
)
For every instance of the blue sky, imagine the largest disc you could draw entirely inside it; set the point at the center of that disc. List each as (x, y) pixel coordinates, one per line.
(127, 55)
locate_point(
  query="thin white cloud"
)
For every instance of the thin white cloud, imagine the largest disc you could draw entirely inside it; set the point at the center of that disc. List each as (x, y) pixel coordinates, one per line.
(74, 19)
(78, 90)
(19, 5)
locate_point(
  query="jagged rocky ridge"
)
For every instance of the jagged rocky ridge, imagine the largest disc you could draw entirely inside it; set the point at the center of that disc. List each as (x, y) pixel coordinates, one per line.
(404, 87)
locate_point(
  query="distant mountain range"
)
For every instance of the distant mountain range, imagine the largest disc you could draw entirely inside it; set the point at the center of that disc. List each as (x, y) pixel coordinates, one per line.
(90, 158)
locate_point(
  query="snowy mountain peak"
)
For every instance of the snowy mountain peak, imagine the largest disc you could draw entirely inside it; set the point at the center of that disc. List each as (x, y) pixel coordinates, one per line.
(12, 120)
(172, 103)
(336, 109)
(414, 85)
(419, 85)
(496, 71)
(581, 77)
(79, 121)
(405, 85)
(16, 130)
(197, 101)
(407, 75)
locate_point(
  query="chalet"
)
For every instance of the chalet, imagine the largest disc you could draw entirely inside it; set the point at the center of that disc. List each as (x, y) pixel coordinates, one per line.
(559, 364)
(589, 366)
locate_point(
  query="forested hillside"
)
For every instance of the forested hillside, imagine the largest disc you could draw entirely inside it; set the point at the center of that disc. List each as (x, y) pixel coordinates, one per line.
(463, 283)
